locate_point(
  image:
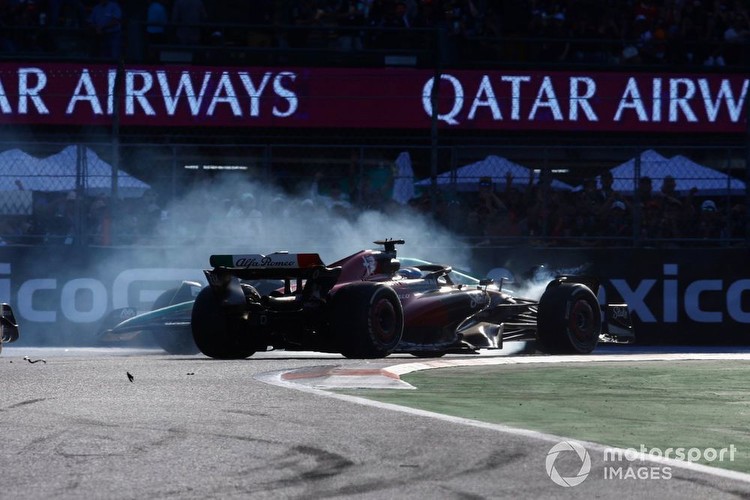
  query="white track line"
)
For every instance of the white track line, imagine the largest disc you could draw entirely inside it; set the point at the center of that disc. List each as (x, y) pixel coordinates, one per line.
(404, 368)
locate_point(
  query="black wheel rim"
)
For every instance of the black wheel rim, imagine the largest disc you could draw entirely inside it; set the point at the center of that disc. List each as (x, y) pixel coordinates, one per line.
(383, 321)
(581, 321)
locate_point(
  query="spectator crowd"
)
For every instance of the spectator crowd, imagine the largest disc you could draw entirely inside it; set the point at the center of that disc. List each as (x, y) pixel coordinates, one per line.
(666, 33)
(536, 213)
(595, 215)
(671, 32)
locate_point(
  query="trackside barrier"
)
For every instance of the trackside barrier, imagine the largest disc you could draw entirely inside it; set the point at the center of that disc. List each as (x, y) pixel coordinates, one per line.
(61, 295)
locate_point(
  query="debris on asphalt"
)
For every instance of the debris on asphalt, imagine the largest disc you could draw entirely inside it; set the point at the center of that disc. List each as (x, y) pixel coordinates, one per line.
(130, 376)
(34, 360)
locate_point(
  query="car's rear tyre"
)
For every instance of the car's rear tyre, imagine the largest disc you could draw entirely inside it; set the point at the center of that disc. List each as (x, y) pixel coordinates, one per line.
(217, 333)
(173, 340)
(569, 319)
(367, 320)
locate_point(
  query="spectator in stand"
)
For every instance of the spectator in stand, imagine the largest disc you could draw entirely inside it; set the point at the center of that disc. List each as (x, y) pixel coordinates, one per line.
(606, 191)
(244, 213)
(188, 15)
(645, 193)
(105, 22)
(682, 205)
(616, 224)
(474, 229)
(738, 222)
(650, 219)
(648, 208)
(647, 9)
(99, 222)
(351, 15)
(61, 219)
(488, 201)
(157, 19)
(377, 188)
(585, 48)
(671, 221)
(564, 220)
(71, 11)
(588, 203)
(503, 228)
(736, 37)
(556, 34)
(329, 193)
(710, 223)
(304, 14)
(668, 192)
(501, 225)
(540, 205)
(150, 211)
(7, 43)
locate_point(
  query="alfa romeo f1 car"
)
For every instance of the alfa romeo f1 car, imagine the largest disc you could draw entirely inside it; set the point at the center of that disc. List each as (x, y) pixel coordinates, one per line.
(8, 326)
(366, 306)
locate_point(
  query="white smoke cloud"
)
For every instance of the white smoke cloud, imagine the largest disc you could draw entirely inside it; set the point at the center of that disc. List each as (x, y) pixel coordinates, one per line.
(211, 217)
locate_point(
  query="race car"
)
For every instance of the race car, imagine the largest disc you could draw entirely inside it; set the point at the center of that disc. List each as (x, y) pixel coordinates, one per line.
(8, 325)
(167, 324)
(367, 306)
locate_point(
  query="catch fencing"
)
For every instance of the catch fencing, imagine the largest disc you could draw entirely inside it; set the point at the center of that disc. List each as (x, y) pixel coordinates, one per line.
(154, 194)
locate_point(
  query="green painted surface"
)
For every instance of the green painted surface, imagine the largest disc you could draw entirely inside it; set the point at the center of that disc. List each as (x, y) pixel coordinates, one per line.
(690, 404)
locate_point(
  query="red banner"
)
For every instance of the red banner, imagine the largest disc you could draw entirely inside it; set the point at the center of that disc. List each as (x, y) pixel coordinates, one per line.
(393, 98)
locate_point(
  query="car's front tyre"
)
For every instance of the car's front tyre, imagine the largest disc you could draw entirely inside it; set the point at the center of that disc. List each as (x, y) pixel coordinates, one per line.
(569, 319)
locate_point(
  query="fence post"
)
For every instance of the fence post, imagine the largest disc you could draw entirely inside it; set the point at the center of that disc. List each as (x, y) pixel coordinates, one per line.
(434, 95)
(637, 212)
(747, 172)
(114, 187)
(80, 192)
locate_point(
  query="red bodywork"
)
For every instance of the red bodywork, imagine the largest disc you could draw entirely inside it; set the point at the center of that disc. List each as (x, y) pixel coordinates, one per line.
(434, 309)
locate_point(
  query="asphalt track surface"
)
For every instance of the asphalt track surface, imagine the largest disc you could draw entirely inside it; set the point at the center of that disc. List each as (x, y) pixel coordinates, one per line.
(75, 426)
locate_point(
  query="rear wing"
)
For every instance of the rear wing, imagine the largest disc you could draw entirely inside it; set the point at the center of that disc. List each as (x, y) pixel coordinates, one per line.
(277, 265)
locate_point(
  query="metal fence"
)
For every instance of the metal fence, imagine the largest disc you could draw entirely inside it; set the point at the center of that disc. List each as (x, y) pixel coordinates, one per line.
(180, 194)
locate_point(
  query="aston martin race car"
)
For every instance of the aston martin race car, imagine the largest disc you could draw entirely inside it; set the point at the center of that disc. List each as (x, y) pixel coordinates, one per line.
(168, 322)
(8, 325)
(367, 306)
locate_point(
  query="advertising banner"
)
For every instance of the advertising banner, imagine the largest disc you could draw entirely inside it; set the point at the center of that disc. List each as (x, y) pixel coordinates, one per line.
(679, 295)
(61, 295)
(400, 98)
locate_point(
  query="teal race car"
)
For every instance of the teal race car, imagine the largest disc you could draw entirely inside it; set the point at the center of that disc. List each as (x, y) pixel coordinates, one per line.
(167, 323)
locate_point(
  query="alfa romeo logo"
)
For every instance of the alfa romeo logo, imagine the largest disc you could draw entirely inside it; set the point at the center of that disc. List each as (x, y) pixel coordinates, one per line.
(582, 474)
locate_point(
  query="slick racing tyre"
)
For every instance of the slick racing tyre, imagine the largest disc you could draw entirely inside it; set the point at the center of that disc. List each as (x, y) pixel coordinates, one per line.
(217, 333)
(569, 319)
(367, 320)
(173, 340)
